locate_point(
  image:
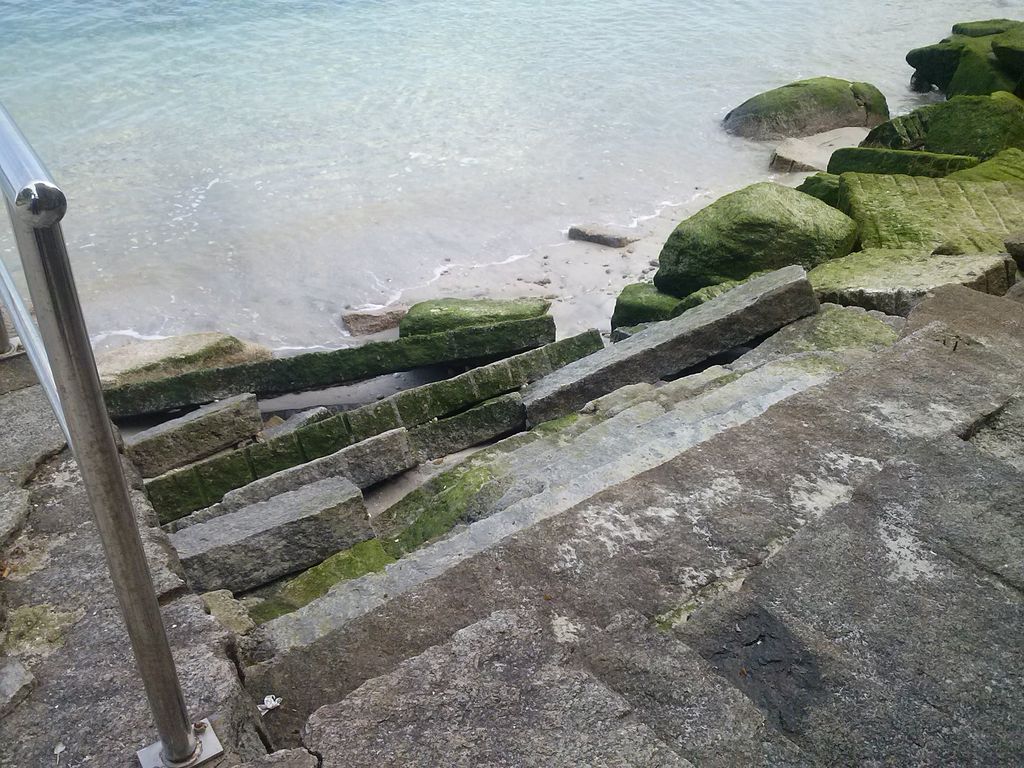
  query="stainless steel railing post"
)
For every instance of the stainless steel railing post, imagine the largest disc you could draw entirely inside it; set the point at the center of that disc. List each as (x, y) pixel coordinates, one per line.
(37, 206)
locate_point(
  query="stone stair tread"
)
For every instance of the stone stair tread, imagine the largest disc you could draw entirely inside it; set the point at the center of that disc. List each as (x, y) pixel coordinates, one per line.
(269, 539)
(496, 694)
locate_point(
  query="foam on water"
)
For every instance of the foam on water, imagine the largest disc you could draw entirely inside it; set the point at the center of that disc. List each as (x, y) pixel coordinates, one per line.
(257, 165)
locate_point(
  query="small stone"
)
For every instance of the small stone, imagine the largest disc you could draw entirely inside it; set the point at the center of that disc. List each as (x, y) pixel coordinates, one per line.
(814, 152)
(613, 237)
(16, 683)
(232, 614)
(363, 322)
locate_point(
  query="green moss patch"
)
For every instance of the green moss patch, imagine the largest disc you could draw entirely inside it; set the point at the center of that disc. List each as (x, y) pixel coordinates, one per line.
(967, 63)
(897, 161)
(37, 630)
(1008, 165)
(441, 315)
(642, 303)
(909, 212)
(824, 186)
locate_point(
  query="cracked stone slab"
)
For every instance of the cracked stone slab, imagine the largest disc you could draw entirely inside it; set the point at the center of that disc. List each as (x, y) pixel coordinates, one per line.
(265, 541)
(496, 694)
(31, 432)
(751, 310)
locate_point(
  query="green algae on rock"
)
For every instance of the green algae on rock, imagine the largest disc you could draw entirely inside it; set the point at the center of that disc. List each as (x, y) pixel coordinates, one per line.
(979, 58)
(37, 630)
(807, 107)
(902, 161)
(761, 227)
(708, 293)
(924, 214)
(978, 126)
(1008, 165)
(893, 281)
(439, 315)
(824, 186)
(160, 358)
(642, 303)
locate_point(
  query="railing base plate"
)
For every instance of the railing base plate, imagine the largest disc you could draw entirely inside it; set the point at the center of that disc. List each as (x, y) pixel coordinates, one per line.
(209, 748)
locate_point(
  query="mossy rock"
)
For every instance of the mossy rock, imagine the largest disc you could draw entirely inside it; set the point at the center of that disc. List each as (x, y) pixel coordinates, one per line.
(1008, 165)
(824, 186)
(979, 126)
(894, 280)
(440, 315)
(967, 63)
(153, 360)
(708, 293)
(915, 212)
(642, 303)
(903, 161)
(807, 107)
(762, 227)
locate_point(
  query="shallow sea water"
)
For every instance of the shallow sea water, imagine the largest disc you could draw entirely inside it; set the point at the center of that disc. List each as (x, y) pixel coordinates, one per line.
(258, 166)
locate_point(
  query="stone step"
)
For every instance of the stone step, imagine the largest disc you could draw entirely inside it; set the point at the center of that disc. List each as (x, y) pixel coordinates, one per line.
(270, 539)
(670, 539)
(750, 311)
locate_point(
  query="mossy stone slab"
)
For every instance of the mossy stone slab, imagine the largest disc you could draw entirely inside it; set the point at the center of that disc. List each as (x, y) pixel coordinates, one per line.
(759, 228)
(175, 494)
(901, 161)
(967, 63)
(440, 315)
(223, 473)
(824, 186)
(924, 214)
(324, 437)
(642, 303)
(807, 107)
(978, 126)
(1008, 165)
(274, 455)
(893, 281)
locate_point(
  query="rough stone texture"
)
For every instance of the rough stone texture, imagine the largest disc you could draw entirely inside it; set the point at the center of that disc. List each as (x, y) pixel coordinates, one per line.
(893, 281)
(438, 315)
(613, 237)
(87, 693)
(927, 214)
(370, 321)
(175, 355)
(642, 303)
(813, 153)
(16, 373)
(222, 605)
(1015, 247)
(195, 435)
(514, 704)
(31, 433)
(286, 758)
(979, 126)
(326, 369)
(824, 186)
(761, 227)
(897, 161)
(1008, 165)
(366, 463)
(1002, 435)
(15, 684)
(14, 508)
(270, 539)
(680, 534)
(754, 309)
(297, 421)
(807, 107)
(978, 59)
(487, 421)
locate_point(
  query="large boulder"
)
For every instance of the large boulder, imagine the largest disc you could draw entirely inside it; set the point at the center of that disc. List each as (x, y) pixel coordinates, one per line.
(980, 126)
(173, 356)
(979, 58)
(946, 215)
(440, 315)
(807, 107)
(824, 186)
(761, 227)
(642, 303)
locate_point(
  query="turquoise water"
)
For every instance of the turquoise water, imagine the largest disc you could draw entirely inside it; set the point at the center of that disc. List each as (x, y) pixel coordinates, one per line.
(257, 166)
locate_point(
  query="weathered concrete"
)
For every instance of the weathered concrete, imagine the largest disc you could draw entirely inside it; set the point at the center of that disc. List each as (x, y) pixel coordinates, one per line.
(515, 706)
(366, 463)
(672, 538)
(612, 237)
(264, 541)
(487, 421)
(195, 435)
(753, 309)
(893, 281)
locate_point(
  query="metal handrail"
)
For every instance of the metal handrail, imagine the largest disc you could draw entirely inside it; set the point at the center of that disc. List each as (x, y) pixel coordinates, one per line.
(61, 354)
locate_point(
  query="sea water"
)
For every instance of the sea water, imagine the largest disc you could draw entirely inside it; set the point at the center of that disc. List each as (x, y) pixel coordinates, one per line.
(256, 166)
